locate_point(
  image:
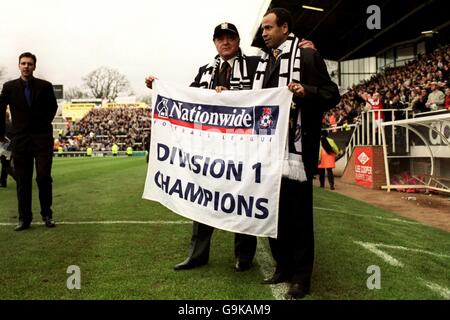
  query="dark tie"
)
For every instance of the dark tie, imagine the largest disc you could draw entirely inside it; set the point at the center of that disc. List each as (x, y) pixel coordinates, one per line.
(27, 92)
(273, 61)
(224, 75)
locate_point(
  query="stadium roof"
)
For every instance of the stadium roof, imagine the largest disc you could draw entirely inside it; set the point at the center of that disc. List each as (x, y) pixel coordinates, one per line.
(340, 31)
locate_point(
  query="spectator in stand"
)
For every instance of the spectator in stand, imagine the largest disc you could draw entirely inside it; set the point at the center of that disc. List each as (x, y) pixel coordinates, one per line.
(447, 98)
(419, 104)
(367, 97)
(406, 82)
(436, 98)
(100, 126)
(414, 96)
(377, 104)
(397, 105)
(332, 121)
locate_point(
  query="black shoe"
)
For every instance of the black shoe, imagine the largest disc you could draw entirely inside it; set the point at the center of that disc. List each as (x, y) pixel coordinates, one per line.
(49, 222)
(332, 188)
(278, 277)
(297, 291)
(187, 264)
(3, 185)
(22, 226)
(242, 266)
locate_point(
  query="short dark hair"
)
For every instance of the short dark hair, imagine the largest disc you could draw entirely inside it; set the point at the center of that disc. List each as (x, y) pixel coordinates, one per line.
(28, 55)
(283, 16)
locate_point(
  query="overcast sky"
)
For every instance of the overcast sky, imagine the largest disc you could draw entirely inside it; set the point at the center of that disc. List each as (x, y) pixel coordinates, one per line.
(168, 38)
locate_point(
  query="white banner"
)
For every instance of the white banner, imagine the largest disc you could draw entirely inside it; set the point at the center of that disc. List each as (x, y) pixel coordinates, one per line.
(217, 158)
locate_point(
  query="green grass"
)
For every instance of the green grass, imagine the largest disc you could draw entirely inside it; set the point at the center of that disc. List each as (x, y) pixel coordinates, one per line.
(131, 261)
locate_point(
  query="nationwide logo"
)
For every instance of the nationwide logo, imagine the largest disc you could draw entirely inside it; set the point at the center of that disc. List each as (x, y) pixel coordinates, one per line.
(363, 158)
(218, 118)
(162, 109)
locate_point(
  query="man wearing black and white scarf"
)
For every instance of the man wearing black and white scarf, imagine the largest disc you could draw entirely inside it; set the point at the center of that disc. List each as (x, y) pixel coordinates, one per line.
(240, 69)
(305, 74)
(231, 70)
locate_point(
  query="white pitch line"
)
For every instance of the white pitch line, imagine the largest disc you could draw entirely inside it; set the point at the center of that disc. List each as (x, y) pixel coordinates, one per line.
(373, 247)
(329, 209)
(442, 291)
(262, 254)
(263, 257)
(264, 260)
(440, 255)
(367, 216)
(105, 222)
(383, 255)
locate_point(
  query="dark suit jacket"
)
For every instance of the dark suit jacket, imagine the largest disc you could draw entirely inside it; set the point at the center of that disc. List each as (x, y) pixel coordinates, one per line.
(252, 63)
(321, 94)
(31, 125)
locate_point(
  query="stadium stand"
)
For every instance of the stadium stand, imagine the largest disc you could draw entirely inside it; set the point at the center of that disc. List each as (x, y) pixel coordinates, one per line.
(100, 128)
(401, 88)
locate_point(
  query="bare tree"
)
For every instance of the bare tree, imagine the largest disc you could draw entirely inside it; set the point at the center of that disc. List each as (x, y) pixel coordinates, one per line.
(75, 93)
(106, 82)
(147, 99)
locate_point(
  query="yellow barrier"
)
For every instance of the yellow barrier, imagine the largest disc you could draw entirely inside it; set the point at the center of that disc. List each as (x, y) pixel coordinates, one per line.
(127, 105)
(76, 111)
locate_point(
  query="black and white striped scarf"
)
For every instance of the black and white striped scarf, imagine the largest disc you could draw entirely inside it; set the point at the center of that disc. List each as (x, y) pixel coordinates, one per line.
(289, 64)
(293, 167)
(239, 79)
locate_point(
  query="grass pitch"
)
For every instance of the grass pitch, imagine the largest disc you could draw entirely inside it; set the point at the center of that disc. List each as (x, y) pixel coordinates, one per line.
(134, 261)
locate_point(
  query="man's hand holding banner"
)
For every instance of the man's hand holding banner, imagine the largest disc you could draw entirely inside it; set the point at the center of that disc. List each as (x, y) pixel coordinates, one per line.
(217, 158)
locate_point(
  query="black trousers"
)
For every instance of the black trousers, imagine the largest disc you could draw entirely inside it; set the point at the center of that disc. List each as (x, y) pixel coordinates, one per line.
(23, 164)
(293, 250)
(244, 245)
(329, 175)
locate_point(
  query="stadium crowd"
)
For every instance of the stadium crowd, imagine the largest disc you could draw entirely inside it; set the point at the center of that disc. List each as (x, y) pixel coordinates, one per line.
(420, 85)
(103, 127)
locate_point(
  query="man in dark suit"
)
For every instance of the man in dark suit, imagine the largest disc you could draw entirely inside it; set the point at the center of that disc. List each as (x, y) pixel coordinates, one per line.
(33, 106)
(229, 70)
(314, 93)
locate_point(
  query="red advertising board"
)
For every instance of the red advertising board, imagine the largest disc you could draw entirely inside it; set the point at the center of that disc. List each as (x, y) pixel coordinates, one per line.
(363, 166)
